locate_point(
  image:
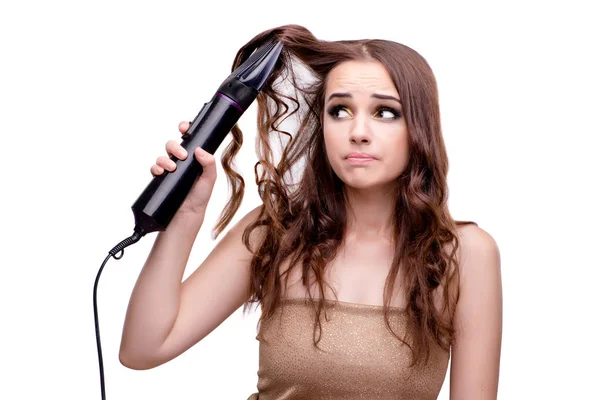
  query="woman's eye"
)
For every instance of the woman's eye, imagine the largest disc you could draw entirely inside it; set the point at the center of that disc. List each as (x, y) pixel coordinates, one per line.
(338, 112)
(388, 113)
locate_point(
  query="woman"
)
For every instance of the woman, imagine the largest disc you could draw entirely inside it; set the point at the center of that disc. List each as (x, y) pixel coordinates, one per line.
(365, 282)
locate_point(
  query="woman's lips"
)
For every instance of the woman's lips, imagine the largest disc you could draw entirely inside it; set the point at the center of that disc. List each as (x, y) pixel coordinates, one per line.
(359, 160)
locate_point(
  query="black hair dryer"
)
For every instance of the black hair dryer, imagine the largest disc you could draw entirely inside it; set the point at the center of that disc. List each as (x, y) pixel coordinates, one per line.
(161, 199)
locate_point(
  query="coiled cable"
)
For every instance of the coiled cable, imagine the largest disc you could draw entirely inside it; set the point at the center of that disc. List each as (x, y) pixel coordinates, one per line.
(119, 248)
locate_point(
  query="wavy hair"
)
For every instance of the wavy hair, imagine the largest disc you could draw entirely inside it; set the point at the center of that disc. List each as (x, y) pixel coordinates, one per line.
(304, 219)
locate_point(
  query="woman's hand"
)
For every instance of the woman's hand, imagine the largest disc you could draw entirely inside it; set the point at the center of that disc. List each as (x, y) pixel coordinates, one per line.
(199, 195)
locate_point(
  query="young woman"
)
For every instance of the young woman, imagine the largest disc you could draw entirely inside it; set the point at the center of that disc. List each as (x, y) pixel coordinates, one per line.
(365, 282)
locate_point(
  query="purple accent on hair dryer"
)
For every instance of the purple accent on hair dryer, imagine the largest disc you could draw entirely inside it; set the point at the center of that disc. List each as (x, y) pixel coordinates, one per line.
(236, 105)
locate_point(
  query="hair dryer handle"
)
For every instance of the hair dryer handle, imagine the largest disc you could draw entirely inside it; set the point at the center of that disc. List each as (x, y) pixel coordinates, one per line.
(158, 203)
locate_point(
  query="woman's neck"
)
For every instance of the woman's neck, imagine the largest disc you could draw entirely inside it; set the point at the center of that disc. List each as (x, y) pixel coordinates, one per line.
(370, 212)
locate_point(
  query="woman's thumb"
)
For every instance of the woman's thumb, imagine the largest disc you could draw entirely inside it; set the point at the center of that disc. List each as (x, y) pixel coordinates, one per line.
(207, 161)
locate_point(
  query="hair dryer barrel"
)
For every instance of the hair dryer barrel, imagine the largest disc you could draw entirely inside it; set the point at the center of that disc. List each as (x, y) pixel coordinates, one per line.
(161, 199)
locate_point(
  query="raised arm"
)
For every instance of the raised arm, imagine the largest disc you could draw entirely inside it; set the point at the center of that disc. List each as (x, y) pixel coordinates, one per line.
(166, 316)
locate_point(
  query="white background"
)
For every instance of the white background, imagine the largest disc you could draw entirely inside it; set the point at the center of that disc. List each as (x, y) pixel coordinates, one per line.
(91, 91)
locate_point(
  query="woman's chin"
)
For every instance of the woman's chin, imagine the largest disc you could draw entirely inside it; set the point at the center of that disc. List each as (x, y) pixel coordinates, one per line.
(358, 184)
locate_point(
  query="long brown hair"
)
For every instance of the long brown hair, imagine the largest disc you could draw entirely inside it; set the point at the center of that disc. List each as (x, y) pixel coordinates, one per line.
(304, 220)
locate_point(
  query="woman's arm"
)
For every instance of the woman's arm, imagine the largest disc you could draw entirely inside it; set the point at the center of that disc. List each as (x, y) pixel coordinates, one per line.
(475, 363)
(166, 317)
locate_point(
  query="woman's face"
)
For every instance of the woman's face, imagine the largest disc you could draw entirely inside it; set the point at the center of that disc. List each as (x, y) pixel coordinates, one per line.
(363, 115)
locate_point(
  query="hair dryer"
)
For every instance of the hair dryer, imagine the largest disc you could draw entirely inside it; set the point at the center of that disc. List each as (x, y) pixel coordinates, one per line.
(161, 199)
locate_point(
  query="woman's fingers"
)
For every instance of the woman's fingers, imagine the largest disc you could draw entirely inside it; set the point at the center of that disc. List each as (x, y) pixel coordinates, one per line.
(184, 126)
(175, 149)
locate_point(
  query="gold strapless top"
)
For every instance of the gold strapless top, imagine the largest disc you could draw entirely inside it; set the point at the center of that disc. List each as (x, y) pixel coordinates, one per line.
(361, 358)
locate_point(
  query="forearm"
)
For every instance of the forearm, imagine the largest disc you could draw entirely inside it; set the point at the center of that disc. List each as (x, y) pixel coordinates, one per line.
(154, 302)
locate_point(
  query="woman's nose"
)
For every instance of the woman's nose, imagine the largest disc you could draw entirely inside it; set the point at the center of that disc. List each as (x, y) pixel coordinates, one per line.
(360, 130)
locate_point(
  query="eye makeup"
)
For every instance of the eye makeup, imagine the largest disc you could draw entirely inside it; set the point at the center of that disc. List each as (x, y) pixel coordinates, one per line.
(334, 110)
(395, 113)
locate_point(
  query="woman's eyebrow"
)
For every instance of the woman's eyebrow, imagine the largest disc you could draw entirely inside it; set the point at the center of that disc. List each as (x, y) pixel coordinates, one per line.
(385, 97)
(374, 95)
(341, 95)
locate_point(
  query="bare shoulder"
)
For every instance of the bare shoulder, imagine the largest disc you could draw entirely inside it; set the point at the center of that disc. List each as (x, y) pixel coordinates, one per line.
(257, 234)
(249, 218)
(477, 249)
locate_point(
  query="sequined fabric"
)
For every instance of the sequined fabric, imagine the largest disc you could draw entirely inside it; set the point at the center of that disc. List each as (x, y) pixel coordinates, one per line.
(360, 359)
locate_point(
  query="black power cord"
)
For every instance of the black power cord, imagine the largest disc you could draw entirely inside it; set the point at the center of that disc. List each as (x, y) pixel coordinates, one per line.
(137, 235)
